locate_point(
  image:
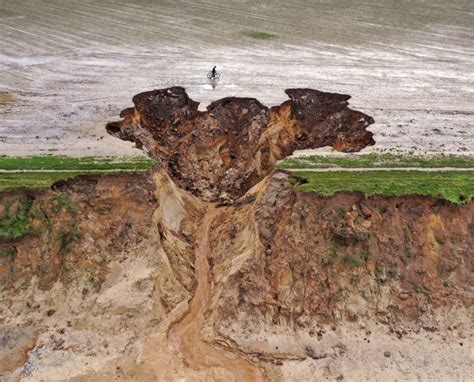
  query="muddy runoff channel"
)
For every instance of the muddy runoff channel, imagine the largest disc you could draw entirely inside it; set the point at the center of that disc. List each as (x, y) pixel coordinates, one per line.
(185, 334)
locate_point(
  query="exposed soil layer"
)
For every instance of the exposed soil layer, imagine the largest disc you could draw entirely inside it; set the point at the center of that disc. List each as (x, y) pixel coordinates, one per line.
(220, 154)
(269, 281)
(42, 231)
(343, 258)
(175, 275)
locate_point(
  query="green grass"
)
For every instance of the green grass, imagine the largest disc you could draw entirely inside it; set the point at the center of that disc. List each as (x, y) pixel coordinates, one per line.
(378, 160)
(260, 35)
(38, 180)
(457, 187)
(55, 162)
(66, 167)
(31, 181)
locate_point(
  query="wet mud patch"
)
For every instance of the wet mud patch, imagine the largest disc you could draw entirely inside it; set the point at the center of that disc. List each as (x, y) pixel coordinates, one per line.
(6, 98)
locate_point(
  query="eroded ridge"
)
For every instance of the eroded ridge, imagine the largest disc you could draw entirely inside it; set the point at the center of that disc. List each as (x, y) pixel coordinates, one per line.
(221, 153)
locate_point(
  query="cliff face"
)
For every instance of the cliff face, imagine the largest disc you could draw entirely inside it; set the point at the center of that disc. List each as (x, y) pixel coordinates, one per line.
(44, 235)
(311, 260)
(221, 153)
(213, 267)
(286, 269)
(89, 267)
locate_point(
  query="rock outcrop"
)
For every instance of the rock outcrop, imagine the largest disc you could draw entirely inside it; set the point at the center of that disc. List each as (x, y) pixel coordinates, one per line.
(221, 153)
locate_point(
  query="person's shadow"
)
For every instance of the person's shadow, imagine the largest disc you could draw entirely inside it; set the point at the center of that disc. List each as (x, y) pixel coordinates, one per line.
(214, 83)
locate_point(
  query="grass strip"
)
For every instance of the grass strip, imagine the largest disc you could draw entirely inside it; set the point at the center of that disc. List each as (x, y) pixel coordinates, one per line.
(37, 181)
(457, 187)
(378, 160)
(55, 162)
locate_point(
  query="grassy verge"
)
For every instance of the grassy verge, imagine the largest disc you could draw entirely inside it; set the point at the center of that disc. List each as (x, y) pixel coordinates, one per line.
(64, 167)
(54, 162)
(378, 160)
(457, 187)
(37, 181)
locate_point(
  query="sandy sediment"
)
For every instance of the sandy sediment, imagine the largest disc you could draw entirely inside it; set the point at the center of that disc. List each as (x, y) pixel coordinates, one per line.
(185, 335)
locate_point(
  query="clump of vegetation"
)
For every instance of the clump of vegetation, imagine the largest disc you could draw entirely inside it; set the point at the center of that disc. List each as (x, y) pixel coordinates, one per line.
(68, 236)
(420, 289)
(351, 261)
(365, 255)
(408, 252)
(333, 250)
(7, 252)
(351, 233)
(14, 220)
(345, 259)
(457, 187)
(455, 238)
(260, 35)
(54, 223)
(62, 201)
(23, 215)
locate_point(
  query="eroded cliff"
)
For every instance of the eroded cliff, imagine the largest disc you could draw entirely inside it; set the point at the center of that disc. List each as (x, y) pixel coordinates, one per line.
(213, 267)
(220, 154)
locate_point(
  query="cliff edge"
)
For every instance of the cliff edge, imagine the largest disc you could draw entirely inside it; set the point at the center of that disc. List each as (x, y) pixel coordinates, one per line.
(221, 153)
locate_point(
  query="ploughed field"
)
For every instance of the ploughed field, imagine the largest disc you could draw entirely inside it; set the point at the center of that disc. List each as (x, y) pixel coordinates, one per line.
(69, 67)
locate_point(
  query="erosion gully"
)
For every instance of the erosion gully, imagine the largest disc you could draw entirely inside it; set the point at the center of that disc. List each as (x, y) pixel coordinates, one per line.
(185, 334)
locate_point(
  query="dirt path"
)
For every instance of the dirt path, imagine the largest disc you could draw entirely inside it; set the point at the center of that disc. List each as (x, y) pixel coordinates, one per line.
(367, 169)
(73, 171)
(185, 335)
(328, 169)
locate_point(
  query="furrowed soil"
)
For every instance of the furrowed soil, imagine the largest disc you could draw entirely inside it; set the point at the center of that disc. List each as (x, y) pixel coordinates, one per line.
(70, 67)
